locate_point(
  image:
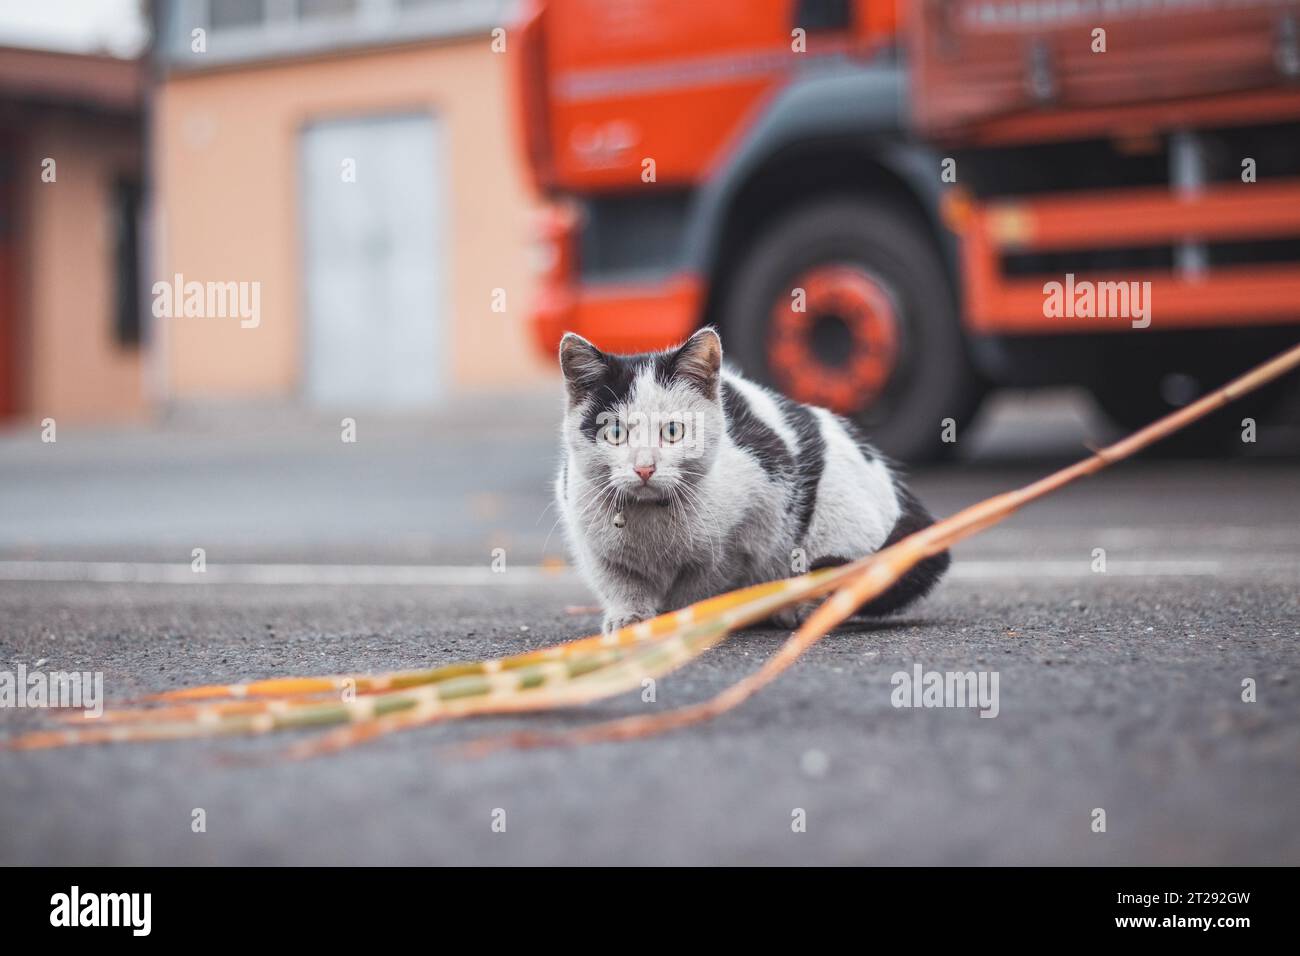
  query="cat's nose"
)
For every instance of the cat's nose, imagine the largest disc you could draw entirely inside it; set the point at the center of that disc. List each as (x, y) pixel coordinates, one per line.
(644, 471)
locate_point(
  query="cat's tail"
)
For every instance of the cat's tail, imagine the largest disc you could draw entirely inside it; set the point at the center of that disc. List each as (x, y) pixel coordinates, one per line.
(918, 581)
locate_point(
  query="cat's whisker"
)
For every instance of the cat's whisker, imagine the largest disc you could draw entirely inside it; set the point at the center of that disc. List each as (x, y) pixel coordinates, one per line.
(555, 524)
(608, 497)
(693, 507)
(542, 514)
(595, 504)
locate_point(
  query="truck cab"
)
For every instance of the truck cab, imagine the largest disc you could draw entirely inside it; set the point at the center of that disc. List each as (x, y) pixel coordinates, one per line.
(882, 206)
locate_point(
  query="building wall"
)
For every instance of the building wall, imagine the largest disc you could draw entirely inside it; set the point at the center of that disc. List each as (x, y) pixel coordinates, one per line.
(72, 366)
(227, 160)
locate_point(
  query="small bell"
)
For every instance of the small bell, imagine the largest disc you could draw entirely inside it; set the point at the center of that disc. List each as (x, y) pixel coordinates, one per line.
(619, 520)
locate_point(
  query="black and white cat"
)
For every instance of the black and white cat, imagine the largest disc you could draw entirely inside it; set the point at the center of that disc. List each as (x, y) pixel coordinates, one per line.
(681, 480)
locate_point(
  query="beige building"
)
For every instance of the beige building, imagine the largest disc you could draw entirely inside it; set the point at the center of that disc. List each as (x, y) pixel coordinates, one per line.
(70, 182)
(353, 168)
(332, 206)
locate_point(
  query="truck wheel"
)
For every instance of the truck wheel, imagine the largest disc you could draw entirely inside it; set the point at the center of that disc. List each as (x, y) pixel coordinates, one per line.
(845, 303)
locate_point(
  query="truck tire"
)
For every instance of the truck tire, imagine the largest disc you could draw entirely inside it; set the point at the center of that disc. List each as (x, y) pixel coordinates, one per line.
(846, 303)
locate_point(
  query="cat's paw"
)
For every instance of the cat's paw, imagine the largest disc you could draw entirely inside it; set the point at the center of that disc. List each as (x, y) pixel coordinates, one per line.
(793, 617)
(624, 618)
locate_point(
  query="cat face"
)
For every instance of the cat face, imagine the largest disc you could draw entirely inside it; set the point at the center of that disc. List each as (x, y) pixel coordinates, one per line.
(644, 427)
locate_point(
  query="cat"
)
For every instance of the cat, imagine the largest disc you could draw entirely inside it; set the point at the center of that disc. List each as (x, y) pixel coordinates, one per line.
(682, 479)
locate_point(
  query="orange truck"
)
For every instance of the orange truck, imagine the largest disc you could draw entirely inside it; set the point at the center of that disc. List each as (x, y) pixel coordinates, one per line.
(889, 208)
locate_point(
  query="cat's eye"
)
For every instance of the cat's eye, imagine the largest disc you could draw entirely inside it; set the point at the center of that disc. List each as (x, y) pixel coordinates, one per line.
(615, 433)
(672, 432)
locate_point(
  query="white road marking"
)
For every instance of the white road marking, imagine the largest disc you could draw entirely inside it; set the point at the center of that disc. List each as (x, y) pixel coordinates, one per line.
(1022, 568)
(130, 572)
(982, 569)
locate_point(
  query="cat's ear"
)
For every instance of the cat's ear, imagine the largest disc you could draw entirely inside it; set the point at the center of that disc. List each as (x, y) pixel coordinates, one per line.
(699, 361)
(583, 365)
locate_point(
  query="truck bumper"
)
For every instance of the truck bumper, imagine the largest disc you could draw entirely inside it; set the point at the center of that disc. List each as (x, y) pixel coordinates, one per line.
(618, 318)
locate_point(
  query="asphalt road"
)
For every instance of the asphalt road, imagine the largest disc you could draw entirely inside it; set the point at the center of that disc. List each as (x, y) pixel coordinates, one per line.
(1119, 690)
